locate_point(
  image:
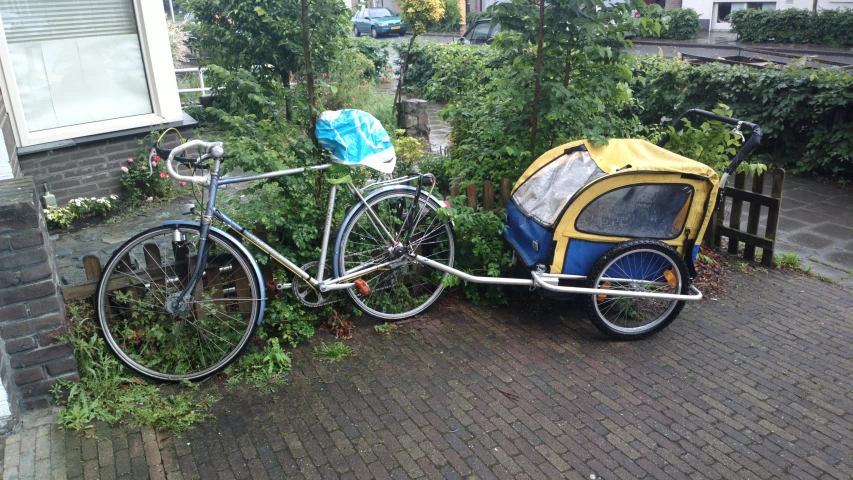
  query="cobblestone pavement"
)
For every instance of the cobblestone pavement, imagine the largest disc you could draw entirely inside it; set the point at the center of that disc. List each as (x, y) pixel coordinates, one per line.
(755, 385)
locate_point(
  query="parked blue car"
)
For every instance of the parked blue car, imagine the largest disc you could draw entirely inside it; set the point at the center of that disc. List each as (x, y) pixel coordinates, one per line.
(377, 22)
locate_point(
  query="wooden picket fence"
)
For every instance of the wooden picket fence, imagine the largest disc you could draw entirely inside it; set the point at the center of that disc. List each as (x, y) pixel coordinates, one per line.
(756, 199)
(505, 187)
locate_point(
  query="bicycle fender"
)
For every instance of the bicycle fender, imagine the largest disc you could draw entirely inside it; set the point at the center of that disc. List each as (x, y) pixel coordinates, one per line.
(352, 211)
(242, 249)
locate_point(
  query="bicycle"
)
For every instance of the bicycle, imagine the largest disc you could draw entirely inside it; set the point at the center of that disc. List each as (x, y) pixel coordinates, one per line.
(581, 219)
(181, 301)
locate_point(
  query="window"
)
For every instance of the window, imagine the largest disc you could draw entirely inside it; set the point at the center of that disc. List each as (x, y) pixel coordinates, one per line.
(480, 33)
(638, 211)
(379, 13)
(544, 195)
(724, 9)
(76, 68)
(74, 64)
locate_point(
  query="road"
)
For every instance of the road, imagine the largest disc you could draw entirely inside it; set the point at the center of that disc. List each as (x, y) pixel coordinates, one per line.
(714, 52)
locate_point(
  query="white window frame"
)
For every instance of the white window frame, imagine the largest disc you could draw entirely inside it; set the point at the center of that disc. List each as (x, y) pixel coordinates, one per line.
(159, 71)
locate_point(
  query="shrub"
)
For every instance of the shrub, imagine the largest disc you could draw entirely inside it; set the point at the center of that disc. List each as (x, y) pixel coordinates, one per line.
(450, 21)
(678, 24)
(806, 115)
(457, 69)
(145, 181)
(421, 61)
(826, 27)
(375, 51)
(61, 217)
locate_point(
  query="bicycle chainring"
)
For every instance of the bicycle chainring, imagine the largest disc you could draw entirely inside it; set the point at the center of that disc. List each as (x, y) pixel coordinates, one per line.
(305, 292)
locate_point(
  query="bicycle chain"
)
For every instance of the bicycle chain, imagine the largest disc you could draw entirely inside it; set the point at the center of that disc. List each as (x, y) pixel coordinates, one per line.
(307, 289)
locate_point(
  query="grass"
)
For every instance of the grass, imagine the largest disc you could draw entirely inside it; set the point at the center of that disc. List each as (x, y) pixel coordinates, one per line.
(385, 329)
(334, 352)
(108, 391)
(788, 260)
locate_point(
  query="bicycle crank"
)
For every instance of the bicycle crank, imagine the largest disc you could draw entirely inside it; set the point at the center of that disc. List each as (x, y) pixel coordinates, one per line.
(306, 293)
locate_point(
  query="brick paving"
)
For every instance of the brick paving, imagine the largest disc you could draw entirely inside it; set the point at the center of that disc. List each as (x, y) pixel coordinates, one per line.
(755, 385)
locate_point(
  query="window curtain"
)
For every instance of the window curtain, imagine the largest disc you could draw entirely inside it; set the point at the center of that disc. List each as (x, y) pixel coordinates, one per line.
(75, 61)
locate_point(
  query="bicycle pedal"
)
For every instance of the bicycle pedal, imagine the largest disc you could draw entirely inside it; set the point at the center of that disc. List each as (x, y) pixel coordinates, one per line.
(362, 287)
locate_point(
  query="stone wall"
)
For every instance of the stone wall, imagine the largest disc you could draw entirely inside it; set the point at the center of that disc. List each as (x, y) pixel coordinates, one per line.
(416, 118)
(90, 169)
(32, 313)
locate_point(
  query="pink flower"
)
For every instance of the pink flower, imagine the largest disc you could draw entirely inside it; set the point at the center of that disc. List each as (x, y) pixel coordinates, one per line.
(325, 75)
(129, 160)
(361, 72)
(384, 78)
(353, 99)
(149, 199)
(361, 87)
(143, 167)
(182, 183)
(163, 175)
(154, 164)
(124, 169)
(365, 82)
(157, 158)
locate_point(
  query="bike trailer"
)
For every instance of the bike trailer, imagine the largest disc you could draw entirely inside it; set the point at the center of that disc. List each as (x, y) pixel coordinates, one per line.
(577, 201)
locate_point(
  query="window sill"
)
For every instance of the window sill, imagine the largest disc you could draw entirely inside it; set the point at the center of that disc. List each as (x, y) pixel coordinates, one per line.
(187, 121)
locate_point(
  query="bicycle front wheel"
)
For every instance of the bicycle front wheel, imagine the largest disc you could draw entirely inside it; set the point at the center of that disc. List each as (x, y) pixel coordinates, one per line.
(402, 288)
(140, 278)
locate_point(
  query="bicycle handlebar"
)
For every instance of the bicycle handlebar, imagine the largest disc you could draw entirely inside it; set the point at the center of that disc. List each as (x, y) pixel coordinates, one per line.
(211, 149)
(750, 145)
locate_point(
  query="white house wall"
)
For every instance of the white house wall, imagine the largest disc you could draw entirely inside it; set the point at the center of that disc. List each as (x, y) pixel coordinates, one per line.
(705, 8)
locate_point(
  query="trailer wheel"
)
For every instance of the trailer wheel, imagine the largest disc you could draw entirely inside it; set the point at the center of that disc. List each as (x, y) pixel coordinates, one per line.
(640, 266)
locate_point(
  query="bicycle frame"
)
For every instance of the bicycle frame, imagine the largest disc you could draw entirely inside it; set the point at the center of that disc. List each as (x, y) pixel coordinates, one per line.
(318, 283)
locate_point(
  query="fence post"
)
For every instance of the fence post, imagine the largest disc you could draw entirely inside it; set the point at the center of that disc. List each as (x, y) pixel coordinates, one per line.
(506, 190)
(471, 191)
(773, 214)
(754, 216)
(92, 267)
(488, 196)
(454, 191)
(737, 209)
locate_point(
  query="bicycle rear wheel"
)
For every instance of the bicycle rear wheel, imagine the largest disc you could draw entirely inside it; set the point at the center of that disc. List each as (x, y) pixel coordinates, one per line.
(402, 289)
(133, 293)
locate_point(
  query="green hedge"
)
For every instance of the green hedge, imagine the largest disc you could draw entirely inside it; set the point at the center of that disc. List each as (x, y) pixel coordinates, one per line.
(827, 27)
(807, 115)
(679, 24)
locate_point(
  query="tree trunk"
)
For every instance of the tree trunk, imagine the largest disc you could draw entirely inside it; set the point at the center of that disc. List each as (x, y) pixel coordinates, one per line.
(398, 96)
(534, 118)
(309, 75)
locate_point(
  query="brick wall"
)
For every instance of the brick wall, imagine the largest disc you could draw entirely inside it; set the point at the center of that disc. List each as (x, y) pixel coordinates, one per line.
(32, 313)
(89, 169)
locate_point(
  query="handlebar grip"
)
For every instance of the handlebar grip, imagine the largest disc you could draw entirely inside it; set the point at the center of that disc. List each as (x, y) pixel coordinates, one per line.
(170, 167)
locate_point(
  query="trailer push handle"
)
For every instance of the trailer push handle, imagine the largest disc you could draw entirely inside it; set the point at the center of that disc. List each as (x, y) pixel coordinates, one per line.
(750, 145)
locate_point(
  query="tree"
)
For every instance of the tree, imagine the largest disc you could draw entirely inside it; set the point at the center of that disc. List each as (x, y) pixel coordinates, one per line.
(267, 37)
(417, 14)
(560, 74)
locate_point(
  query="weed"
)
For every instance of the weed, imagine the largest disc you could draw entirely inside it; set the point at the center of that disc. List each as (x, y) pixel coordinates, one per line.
(110, 392)
(385, 329)
(265, 369)
(787, 261)
(332, 353)
(706, 259)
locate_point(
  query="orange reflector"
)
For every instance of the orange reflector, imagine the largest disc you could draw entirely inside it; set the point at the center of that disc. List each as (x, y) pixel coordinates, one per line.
(604, 286)
(362, 287)
(670, 278)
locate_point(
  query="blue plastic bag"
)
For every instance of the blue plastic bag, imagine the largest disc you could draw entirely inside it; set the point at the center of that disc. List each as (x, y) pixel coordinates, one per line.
(356, 138)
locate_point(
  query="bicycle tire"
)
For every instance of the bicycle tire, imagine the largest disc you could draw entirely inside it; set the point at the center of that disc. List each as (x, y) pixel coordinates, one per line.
(643, 265)
(190, 346)
(406, 289)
